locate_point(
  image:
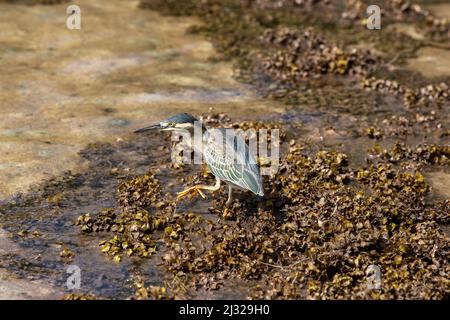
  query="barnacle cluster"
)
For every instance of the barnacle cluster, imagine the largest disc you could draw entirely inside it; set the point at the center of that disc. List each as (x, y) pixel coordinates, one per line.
(79, 296)
(213, 120)
(430, 95)
(291, 41)
(321, 225)
(132, 232)
(66, 253)
(303, 4)
(140, 192)
(424, 153)
(381, 85)
(320, 237)
(145, 217)
(102, 222)
(133, 226)
(414, 123)
(374, 132)
(304, 54)
(156, 292)
(399, 10)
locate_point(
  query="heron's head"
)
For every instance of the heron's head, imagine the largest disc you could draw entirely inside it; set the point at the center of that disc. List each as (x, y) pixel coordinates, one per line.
(181, 121)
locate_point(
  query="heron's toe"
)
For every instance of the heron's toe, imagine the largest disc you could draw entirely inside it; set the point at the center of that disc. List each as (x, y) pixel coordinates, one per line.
(191, 192)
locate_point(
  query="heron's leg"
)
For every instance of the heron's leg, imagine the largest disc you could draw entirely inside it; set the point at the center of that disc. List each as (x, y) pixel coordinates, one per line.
(192, 191)
(230, 192)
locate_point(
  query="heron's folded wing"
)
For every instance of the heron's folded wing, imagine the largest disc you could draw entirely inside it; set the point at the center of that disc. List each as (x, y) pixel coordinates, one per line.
(238, 168)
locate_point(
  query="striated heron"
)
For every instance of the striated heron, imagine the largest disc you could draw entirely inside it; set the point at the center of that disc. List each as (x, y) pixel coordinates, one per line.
(227, 156)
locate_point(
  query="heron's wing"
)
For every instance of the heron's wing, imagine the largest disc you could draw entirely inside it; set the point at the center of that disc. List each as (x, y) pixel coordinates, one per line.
(238, 166)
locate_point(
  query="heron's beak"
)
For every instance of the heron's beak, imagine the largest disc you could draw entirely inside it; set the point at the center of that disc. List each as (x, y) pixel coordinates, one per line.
(152, 127)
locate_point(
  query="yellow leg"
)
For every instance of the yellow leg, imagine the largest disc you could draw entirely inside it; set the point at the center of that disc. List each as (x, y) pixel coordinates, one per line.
(192, 191)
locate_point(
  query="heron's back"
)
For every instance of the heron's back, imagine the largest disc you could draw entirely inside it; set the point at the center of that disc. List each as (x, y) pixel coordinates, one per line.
(230, 159)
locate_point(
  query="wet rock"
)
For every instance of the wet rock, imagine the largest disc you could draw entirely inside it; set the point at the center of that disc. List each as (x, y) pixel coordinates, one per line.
(12, 288)
(440, 182)
(431, 62)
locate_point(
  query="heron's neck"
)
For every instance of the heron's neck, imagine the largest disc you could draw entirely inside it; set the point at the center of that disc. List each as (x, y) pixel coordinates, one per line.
(198, 136)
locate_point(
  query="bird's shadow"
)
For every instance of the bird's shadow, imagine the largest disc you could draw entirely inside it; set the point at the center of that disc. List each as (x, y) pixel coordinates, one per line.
(246, 205)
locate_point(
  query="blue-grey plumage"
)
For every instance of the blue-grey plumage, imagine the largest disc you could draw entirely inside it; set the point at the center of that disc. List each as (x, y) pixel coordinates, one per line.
(226, 154)
(229, 158)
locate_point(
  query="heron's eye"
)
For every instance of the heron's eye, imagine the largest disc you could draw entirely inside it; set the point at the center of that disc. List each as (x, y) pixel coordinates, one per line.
(168, 124)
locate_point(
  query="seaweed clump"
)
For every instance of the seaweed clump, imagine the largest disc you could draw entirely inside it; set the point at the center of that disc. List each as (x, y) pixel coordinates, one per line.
(78, 296)
(139, 192)
(432, 95)
(133, 226)
(302, 55)
(401, 10)
(319, 240)
(426, 154)
(137, 229)
(317, 232)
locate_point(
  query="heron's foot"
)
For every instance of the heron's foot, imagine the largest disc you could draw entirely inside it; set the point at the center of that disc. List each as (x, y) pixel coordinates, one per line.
(191, 193)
